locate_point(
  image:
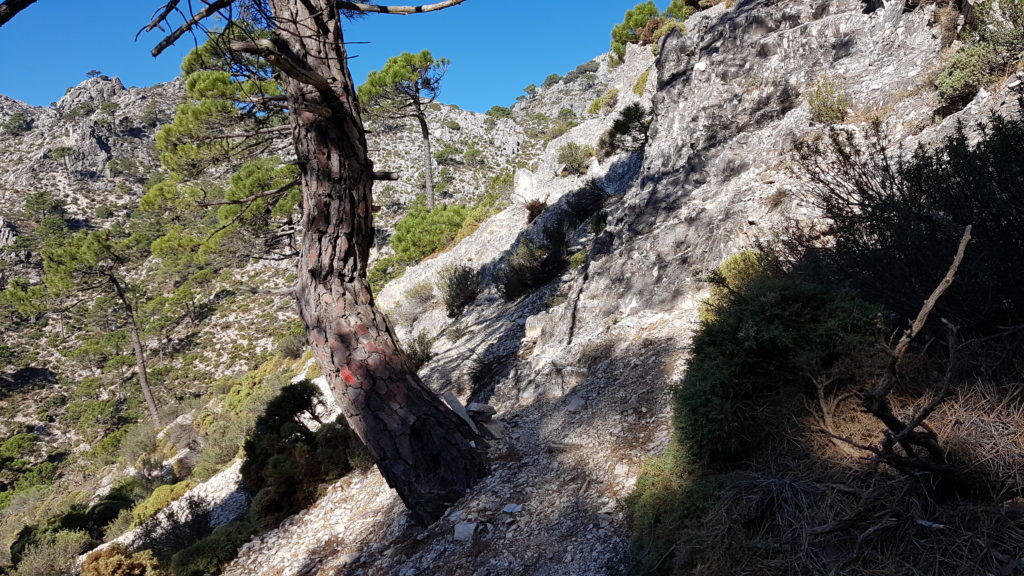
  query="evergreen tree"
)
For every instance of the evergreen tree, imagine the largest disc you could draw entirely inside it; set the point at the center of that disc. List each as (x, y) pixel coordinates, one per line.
(628, 31)
(423, 449)
(402, 89)
(97, 262)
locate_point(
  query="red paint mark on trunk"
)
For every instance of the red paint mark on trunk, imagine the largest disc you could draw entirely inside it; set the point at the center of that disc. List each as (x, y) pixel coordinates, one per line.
(349, 377)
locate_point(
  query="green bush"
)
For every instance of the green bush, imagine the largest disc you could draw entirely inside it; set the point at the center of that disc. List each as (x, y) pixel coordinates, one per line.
(759, 333)
(828, 104)
(115, 560)
(499, 112)
(578, 259)
(575, 158)
(641, 82)
(664, 500)
(628, 31)
(666, 28)
(286, 461)
(628, 131)
(17, 446)
(210, 555)
(293, 344)
(53, 554)
(448, 154)
(605, 102)
(451, 125)
(526, 269)
(418, 350)
(160, 499)
(460, 285)
(17, 123)
(385, 270)
(422, 232)
(551, 80)
(970, 67)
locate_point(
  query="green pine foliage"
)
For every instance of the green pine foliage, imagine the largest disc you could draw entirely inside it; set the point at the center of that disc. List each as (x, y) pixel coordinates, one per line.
(628, 31)
(421, 232)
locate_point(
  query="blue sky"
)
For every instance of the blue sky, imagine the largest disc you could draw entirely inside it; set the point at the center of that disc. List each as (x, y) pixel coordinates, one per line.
(496, 47)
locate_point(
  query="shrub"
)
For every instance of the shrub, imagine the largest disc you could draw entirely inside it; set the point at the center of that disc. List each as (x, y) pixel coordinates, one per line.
(968, 69)
(578, 259)
(665, 29)
(663, 501)
(498, 112)
(451, 125)
(575, 158)
(628, 131)
(53, 554)
(679, 10)
(418, 350)
(448, 154)
(17, 446)
(551, 80)
(160, 499)
(208, 556)
(473, 157)
(286, 460)
(534, 208)
(641, 82)
(896, 222)
(606, 102)
(385, 270)
(756, 328)
(526, 269)
(582, 71)
(460, 285)
(828, 104)
(17, 123)
(421, 232)
(419, 295)
(115, 560)
(293, 344)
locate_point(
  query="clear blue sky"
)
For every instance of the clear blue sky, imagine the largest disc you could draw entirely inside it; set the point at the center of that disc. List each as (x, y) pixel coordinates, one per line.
(497, 47)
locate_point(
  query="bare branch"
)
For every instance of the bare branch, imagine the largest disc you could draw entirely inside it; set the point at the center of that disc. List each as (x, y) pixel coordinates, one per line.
(400, 10)
(10, 8)
(282, 59)
(385, 175)
(189, 24)
(160, 18)
(250, 199)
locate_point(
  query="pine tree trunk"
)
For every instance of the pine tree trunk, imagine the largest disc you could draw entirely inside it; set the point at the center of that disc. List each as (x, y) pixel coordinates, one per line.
(140, 355)
(426, 453)
(428, 166)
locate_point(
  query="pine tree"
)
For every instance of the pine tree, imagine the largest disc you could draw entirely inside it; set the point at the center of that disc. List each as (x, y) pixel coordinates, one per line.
(97, 262)
(403, 88)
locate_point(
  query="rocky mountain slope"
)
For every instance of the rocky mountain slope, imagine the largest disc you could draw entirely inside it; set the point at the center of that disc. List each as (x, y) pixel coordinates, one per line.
(580, 370)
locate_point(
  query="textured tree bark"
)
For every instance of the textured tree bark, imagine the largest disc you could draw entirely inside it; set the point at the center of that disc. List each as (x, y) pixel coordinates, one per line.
(426, 453)
(428, 166)
(140, 355)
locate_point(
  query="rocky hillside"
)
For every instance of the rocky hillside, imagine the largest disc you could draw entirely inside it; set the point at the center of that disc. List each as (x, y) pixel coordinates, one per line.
(579, 363)
(580, 371)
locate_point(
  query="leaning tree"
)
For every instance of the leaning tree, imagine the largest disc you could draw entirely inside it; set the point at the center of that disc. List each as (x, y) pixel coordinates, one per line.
(425, 452)
(403, 88)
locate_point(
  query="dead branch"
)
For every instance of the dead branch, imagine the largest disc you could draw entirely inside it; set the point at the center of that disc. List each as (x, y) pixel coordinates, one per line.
(400, 10)
(280, 56)
(10, 8)
(189, 24)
